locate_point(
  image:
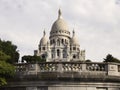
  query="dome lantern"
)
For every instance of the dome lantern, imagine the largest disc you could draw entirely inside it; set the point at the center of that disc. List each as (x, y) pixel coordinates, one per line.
(59, 14)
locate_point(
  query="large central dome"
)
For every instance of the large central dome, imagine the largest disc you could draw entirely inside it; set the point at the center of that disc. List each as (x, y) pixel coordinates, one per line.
(59, 27)
(59, 24)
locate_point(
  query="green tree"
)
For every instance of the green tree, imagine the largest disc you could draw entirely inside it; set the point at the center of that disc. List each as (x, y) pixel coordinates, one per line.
(110, 58)
(6, 70)
(9, 49)
(4, 57)
(8, 56)
(88, 60)
(32, 59)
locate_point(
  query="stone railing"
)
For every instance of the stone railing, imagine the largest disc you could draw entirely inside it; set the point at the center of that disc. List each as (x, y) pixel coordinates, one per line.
(66, 67)
(82, 68)
(96, 67)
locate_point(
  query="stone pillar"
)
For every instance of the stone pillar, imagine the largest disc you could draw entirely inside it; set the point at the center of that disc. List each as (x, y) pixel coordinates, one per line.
(55, 53)
(61, 53)
(48, 55)
(113, 69)
(59, 67)
(82, 55)
(83, 67)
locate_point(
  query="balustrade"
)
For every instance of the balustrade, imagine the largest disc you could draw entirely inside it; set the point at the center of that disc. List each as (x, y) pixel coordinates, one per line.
(65, 67)
(48, 67)
(71, 67)
(21, 67)
(83, 68)
(95, 67)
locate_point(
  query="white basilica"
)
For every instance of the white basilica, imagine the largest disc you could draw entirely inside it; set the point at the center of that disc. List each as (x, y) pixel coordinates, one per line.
(60, 46)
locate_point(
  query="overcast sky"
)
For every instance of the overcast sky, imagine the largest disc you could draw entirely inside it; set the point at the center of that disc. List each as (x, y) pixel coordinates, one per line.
(96, 23)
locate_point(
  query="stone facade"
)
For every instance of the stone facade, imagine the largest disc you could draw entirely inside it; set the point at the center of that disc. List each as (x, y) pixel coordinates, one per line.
(60, 46)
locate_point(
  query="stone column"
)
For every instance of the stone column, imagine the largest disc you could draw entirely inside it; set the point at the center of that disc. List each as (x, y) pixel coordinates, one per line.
(55, 53)
(61, 53)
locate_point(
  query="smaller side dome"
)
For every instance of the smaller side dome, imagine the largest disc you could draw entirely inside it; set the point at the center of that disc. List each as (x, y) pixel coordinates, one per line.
(44, 39)
(74, 40)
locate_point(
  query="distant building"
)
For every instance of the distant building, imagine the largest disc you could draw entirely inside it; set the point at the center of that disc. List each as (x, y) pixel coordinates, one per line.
(60, 46)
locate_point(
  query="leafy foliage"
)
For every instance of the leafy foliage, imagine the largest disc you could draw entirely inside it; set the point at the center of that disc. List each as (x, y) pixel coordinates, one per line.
(7, 70)
(32, 59)
(2, 81)
(9, 49)
(110, 58)
(4, 57)
(8, 56)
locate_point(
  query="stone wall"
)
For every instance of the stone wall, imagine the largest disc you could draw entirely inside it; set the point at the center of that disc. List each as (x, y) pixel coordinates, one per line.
(64, 86)
(65, 76)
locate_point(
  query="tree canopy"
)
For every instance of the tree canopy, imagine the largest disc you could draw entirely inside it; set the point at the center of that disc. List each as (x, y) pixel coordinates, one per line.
(32, 59)
(110, 58)
(8, 56)
(88, 60)
(9, 49)
(7, 70)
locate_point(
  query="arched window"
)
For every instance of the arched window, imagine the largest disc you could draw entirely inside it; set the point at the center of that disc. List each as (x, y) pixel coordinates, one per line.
(53, 41)
(40, 48)
(43, 48)
(43, 56)
(62, 41)
(52, 56)
(58, 52)
(74, 48)
(63, 53)
(74, 56)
